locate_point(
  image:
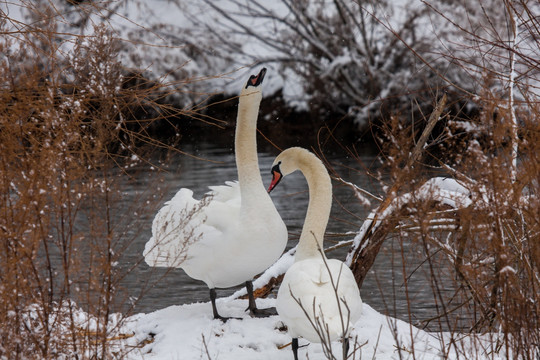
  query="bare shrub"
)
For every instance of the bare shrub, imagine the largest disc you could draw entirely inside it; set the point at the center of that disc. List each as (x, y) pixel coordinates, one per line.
(67, 135)
(353, 57)
(472, 234)
(477, 230)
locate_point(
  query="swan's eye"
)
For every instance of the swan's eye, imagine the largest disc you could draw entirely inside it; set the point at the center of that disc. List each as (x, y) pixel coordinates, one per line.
(276, 168)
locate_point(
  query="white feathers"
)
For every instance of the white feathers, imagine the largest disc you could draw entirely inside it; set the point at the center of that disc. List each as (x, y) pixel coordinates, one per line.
(318, 299)
(234, 232)
(309, 290)
(185, 222)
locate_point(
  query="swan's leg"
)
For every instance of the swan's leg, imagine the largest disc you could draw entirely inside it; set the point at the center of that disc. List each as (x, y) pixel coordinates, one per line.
(214, 308)
(252, 306)
(213, 300)
(345, 348)
(295, 348)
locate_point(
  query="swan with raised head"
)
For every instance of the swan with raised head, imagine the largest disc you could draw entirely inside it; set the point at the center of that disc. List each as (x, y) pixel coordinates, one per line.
(323, 289)
(234, 232)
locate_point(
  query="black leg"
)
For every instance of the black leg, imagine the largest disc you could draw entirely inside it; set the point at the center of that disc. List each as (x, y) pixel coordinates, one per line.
(295, 348)
(252, 306)
(345, 348)
(214, 308)
(213, 300)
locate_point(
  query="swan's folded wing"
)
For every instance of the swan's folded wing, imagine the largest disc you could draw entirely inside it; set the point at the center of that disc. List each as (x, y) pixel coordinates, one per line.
(347, 289)
(290, 302)
(177, 225)
(310, 284)
(186, 227)
(226, 193)
(300, 286)
(307, 294)
(222, 216)
(223, 210)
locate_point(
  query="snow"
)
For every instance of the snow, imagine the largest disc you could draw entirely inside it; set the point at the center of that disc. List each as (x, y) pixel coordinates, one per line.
(279, 268)
(182, 43)
(189, 332)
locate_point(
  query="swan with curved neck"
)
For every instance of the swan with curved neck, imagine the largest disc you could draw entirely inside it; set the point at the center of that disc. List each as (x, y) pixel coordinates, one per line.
(313, 284)
(234, 232)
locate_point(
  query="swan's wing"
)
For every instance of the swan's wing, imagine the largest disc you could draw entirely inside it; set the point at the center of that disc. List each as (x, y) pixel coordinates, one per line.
(348, 291)
(225, 193)
(186, 227)
(339, 280)
(308, 283)
(175, 225)
(223, 210)
(293, 296)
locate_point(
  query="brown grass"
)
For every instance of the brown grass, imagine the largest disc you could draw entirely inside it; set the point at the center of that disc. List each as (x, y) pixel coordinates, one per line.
(68, 131)
(481, 259)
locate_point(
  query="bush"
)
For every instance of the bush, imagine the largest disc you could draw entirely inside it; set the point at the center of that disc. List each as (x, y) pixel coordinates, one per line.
(477, 230)
(65, 140)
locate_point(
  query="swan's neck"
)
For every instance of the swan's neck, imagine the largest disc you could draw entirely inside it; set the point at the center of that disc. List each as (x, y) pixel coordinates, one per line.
(247, 162)
(318, 212)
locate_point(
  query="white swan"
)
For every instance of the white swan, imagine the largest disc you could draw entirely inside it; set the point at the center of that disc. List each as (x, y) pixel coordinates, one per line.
(310, 281)
(234, 232)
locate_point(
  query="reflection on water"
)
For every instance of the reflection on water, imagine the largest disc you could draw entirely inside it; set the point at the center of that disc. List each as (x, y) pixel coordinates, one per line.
(383, 288)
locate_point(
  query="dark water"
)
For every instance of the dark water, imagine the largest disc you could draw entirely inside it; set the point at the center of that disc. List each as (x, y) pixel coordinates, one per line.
(149, 289)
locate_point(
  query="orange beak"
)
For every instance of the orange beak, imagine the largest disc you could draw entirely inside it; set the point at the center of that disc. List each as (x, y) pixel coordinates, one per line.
(276, 178)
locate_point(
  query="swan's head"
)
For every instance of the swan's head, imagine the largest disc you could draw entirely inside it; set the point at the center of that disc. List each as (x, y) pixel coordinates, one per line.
(254, 83)
(289, 161)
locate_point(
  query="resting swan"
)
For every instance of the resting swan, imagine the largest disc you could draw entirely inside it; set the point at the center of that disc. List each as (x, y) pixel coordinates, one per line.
(310, 280)
(234, 232)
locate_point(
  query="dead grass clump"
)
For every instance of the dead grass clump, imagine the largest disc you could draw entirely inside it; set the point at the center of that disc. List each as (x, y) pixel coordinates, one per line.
(471, 230)
(66, 135)
(477, 233)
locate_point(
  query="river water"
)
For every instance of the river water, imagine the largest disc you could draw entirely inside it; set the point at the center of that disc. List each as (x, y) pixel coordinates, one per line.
(148, 289)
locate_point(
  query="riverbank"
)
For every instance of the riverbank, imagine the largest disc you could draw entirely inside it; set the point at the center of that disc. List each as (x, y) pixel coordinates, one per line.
(190, 332)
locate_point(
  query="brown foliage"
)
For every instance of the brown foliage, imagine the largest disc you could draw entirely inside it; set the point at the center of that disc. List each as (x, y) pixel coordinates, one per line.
(66, 136)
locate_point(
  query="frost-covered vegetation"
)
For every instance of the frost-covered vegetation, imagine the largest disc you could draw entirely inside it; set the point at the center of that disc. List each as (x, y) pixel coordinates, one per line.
(363, 59)
(65, 139)
(84, 85)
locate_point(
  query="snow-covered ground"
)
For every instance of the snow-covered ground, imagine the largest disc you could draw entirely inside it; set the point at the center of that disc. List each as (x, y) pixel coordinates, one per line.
(190, 332)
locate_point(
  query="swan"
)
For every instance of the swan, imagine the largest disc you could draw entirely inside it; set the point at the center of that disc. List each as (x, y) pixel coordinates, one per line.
(234, 232)
(310, 281)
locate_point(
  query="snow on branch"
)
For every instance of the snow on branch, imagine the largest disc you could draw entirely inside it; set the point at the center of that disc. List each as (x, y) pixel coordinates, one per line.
(445, 191)
(270, 278)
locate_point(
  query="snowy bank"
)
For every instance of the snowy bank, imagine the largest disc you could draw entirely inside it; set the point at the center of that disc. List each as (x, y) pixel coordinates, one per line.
(189, 332)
